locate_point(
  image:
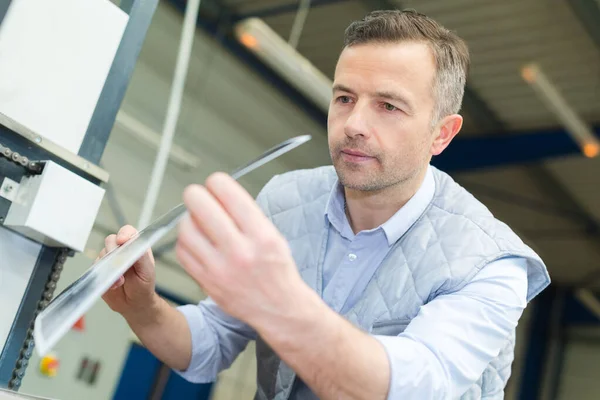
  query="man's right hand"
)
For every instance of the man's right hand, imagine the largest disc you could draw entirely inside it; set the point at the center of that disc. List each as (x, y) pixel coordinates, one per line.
(133, 295)
(161, 328)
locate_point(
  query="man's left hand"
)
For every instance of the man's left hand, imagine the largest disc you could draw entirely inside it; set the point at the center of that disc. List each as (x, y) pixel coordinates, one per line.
(236, 254)
(245, 265)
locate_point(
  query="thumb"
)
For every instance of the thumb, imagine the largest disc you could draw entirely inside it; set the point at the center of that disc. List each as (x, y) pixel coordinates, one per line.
(144, 266)
(125, 233)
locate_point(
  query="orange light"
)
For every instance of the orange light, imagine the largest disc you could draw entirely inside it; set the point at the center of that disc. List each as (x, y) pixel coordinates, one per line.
(248, 40)
(591, 150)
(528, 73)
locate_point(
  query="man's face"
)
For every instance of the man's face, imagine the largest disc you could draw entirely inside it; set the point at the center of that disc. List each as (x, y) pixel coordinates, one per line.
(379, 125)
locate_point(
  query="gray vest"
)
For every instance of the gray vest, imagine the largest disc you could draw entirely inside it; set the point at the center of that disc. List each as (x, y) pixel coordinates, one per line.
(432, 258)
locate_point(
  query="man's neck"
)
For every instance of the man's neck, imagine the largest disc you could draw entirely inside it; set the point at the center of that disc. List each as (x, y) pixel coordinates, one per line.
(368, 210)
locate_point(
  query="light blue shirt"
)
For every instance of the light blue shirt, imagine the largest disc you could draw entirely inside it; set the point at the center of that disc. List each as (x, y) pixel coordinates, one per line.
(432, 358)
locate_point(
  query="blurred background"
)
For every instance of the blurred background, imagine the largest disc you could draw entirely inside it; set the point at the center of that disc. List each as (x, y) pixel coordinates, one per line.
(535, 166)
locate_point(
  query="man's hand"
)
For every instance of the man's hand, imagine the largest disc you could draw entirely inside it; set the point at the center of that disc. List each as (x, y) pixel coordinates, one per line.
(134, 292)
(244, 264)
(162, 329)
(236, 254)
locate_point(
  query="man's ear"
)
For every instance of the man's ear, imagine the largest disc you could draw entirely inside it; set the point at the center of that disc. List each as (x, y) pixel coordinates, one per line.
(446, 130)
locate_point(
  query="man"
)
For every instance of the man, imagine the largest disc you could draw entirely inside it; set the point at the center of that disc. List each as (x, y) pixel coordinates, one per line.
(377, 278)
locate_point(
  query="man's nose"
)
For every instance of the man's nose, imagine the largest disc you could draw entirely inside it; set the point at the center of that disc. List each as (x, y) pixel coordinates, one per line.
(358, 121)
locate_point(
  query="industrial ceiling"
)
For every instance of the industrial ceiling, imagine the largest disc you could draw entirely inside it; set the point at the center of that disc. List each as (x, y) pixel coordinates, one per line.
(513, 152)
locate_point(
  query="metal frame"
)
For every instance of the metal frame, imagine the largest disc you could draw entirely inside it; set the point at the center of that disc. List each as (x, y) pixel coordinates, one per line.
(23, 144)
(11, 171)
(506, 149)
(42, 148)
(104, 116)
(85, 164)
(27, 311)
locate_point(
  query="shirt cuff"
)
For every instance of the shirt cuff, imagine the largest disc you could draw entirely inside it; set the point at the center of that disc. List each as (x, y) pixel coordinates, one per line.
(415, 373)
(204, 350)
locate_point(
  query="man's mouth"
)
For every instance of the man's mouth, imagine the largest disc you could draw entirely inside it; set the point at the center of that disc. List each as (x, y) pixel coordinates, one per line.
(355, 155)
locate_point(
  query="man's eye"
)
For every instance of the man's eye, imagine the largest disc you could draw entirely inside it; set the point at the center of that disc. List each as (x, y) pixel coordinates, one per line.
(344, 99)
(389, 107)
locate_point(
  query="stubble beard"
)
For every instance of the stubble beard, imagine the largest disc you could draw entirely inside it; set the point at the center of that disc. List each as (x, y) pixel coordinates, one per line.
(371, 177)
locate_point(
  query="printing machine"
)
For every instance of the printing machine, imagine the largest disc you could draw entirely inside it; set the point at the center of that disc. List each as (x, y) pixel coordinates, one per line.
(65, 66)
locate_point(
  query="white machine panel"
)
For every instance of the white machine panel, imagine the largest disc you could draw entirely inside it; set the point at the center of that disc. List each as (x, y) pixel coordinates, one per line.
(19, 256)
(56, 76)
(56, 208)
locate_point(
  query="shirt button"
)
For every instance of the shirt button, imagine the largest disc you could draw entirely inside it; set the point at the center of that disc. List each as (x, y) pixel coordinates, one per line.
(351, 257)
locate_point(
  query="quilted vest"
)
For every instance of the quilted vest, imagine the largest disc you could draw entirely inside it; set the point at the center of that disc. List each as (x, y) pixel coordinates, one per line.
(455, 237)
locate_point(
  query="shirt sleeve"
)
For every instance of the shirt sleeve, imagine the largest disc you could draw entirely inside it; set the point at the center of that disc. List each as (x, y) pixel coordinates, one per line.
(217, 340)
(448, 345)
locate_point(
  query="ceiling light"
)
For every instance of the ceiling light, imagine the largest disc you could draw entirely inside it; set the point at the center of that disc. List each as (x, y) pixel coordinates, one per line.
(268, 46)
(575, 126)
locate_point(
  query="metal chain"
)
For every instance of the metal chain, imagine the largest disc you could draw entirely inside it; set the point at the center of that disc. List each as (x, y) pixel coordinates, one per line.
(35, 168)
(32, 166)
(28, 344)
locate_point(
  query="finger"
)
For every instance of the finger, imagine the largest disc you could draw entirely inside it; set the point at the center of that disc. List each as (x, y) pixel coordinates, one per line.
(190, 264)
(197, 245)
(101, 254)
(110, 243)
(118, 283)
(212, 220)
(150, 256)
(125, 233)
(238, 203)
(143, 268)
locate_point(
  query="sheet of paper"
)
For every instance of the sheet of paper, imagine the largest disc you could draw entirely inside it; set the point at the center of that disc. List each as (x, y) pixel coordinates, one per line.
(73, 302)
(55, 57)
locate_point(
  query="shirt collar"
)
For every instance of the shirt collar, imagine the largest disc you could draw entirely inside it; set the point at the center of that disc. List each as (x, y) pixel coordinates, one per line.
(394, 227)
